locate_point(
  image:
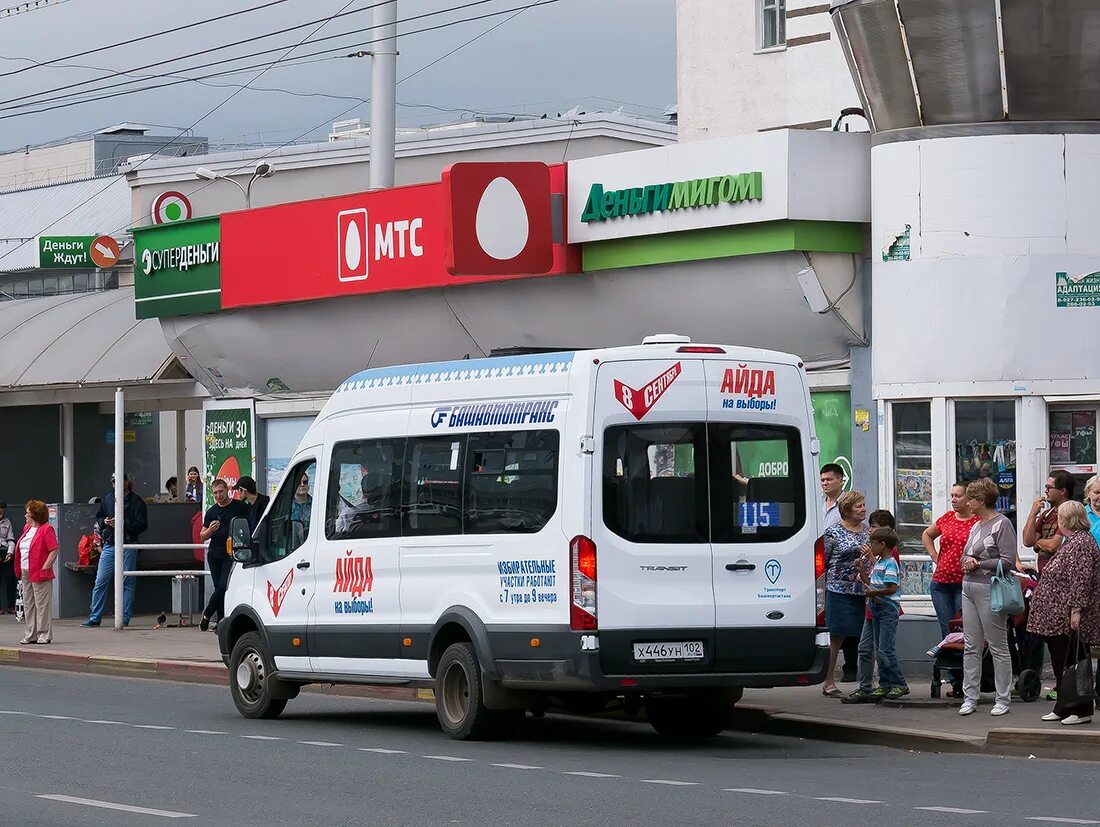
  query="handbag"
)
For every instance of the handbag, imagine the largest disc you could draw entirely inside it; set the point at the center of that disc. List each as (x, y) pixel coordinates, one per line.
(1077, 684)
(1005, 594)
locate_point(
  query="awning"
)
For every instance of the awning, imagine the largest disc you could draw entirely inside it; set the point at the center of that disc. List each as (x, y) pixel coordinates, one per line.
(79, 340)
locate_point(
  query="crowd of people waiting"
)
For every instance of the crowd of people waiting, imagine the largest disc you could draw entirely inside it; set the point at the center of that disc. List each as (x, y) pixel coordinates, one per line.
(971, 546)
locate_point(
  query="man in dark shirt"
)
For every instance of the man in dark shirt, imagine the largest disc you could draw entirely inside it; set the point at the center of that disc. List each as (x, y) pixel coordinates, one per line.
(216, 528)
(135, 519)
(257, 502)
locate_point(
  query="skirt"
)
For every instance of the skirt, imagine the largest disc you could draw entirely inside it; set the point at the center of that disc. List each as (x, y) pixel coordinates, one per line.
(844, 613)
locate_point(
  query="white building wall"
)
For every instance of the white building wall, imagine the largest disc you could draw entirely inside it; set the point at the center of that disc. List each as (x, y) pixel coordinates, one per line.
(729, 86)
(47, 165)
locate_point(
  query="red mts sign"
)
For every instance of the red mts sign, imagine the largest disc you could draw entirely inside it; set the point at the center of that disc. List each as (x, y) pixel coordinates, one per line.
(371, 242)
(640, 401)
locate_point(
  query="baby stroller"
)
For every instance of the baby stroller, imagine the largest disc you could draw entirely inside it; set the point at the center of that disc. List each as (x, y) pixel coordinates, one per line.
(1025, 649)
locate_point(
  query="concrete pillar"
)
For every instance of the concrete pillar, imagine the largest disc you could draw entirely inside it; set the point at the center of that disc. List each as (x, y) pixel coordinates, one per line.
(68, 459)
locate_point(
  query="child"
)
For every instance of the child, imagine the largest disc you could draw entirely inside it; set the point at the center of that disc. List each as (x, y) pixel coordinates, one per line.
(878, 519)
(882, 586)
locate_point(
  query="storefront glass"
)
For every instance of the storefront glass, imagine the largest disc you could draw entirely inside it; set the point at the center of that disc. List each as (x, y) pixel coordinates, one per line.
(1073, 442)
(913, 489)
(985, 447)
(282, 436)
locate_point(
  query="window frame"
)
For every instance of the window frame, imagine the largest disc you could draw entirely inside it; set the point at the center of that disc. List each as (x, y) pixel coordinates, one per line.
(764, 9)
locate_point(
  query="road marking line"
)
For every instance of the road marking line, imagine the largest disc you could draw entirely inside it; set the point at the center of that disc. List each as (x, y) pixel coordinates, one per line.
(446, 758)
(956, 810)
(593, 774)
(263, 737)
(382, 751)
(848, 800)
(150, 726)
(112, 723)
(107, 805)
(670, 783)
(518, 767)
(14, 712)
(752, 791)
(320, 744)
(206, 732)
(1057, 820)
(59, 717)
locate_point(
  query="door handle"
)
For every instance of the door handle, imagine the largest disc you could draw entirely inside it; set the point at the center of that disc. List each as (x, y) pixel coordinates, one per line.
(304, 564)
(740, 566)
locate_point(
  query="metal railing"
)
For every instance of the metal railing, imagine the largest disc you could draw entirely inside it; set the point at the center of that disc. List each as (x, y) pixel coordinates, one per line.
(159, 572)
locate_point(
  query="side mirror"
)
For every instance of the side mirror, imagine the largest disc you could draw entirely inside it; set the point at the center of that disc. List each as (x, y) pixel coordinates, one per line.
(240, 537)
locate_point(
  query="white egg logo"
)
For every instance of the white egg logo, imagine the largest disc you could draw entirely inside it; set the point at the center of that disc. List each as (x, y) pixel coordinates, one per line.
(353, 246)
(501, 224)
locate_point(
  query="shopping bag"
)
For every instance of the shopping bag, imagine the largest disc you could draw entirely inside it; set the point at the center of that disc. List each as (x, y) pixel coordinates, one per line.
(1005, 595)
(84, 550)
(1077, 682)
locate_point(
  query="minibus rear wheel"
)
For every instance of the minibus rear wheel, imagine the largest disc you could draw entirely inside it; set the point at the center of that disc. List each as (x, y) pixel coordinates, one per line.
(460, 697)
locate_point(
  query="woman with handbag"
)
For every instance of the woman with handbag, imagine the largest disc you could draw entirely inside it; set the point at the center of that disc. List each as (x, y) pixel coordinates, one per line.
(1065, 610)
(990, 552)
(34, 559)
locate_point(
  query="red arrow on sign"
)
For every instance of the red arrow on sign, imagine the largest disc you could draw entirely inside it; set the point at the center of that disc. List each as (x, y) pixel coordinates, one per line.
(105, 252)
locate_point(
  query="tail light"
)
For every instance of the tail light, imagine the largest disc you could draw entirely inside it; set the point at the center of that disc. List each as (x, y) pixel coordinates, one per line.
(582, 568)
(819, 580)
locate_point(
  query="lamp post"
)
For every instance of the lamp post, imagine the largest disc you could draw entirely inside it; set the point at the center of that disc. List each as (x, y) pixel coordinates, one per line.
(263, 170)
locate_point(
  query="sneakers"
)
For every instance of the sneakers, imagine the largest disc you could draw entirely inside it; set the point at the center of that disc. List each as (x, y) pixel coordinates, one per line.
(860, 697)
(999, 709)
(968, 708)
(878, 693)
(1074, 720)
(1052, 695)
(1051, 716)
(89, 624)
(896, 692)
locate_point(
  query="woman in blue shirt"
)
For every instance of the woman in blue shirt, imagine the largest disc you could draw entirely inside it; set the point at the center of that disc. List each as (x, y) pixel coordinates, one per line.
(1092, 498)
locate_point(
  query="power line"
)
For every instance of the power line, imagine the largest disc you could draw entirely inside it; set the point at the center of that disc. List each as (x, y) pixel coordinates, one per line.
(31, 5)
(134, 40)
(262, 52)
(174, 139)
(125, 92)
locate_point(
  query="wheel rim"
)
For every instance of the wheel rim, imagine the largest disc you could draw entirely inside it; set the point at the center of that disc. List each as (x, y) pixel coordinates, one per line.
(456, 693)
(251, 676)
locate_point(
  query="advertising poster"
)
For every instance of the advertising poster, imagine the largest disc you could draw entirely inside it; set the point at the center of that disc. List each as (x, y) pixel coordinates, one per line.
(229, 444)
(833, 422)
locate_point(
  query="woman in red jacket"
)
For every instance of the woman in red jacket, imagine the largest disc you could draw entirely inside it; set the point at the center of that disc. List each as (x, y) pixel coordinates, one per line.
(34, 558)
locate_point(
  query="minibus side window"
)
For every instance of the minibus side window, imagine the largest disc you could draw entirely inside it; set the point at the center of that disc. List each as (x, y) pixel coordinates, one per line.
(433, 485)
(655, 483)
(511, 482)
(758, 490)
(288, 521)
(364, 489)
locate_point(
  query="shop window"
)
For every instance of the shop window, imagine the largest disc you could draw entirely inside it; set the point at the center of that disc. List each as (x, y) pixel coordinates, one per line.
(1073, 441)
(773, 23)
(985, 448)
(913, 506)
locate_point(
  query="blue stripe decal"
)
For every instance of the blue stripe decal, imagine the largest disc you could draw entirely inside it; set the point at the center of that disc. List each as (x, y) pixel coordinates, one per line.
(464, 370)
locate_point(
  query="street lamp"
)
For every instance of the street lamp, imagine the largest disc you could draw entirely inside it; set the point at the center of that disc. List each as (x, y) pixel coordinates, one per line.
(263, 170)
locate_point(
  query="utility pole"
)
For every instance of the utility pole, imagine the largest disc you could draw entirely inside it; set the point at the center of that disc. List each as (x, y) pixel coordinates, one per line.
(383, 96)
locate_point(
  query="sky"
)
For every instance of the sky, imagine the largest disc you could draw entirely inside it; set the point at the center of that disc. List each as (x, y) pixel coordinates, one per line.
(598, 54)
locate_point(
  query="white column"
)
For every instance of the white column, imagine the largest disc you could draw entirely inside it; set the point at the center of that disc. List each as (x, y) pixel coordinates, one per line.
(943, 437)
(120, 498)
(68, 461)
(1032, 453)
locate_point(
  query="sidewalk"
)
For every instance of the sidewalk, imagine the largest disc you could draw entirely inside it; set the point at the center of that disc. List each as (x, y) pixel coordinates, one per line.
(917, 722)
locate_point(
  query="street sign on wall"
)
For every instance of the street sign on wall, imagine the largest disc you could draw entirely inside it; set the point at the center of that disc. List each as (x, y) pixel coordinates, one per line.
(77, 252)
(177, 268)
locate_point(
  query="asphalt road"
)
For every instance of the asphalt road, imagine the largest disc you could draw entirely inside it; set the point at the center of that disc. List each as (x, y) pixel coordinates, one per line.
(90, 750)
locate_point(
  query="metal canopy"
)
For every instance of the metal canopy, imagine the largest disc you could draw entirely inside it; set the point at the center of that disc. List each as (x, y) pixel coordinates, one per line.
(78, 340)
(939, 62)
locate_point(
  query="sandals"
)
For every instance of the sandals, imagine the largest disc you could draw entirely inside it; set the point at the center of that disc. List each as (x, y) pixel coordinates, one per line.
(832, 693)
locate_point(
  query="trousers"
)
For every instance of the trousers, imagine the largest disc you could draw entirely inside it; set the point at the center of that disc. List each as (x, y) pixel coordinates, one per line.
(980, 626)
(37, 604)
(105, 576)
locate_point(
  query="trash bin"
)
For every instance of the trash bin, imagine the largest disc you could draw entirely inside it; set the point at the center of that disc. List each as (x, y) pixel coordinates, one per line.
(185, 598)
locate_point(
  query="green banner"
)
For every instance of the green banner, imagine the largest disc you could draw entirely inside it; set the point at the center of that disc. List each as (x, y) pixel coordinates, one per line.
(177, 268)
(228, 446)
(58, 252)
(833, 423)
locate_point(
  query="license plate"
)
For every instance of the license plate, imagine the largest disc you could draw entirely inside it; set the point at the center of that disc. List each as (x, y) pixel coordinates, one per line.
(690, 650)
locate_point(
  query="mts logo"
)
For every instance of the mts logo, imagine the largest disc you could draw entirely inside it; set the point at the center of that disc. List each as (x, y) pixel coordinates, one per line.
(357, 248)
